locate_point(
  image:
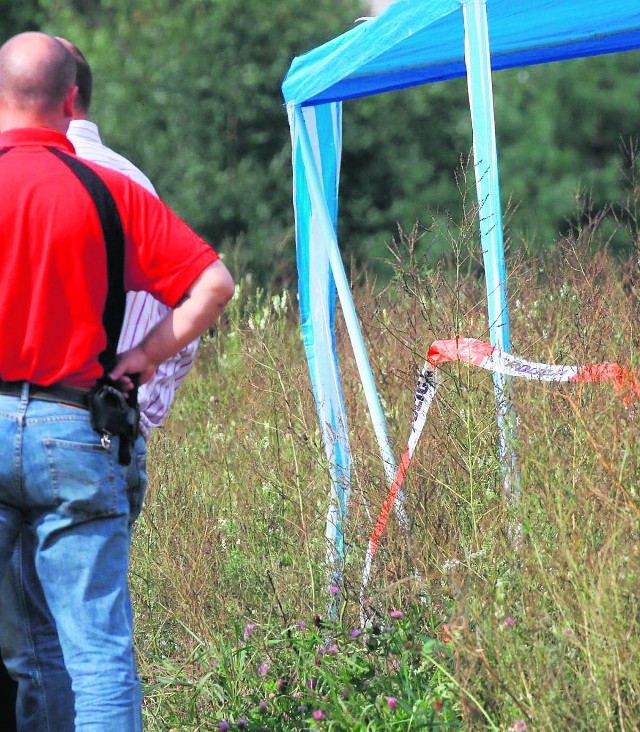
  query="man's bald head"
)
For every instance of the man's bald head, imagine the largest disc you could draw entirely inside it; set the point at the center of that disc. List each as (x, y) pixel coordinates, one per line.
(37, 74)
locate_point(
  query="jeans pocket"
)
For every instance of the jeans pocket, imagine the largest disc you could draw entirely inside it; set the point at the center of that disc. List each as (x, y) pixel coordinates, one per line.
(86, 479)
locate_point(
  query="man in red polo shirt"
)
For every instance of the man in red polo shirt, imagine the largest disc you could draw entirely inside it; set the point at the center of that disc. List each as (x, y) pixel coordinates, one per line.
(74, 237)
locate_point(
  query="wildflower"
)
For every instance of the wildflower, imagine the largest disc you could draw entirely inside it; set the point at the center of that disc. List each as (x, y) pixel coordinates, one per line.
(297, 695)
(396, 614)
(223, 725)
(312, 683)
(281, 684)
(392, 703)
(263, 669)
(509, 622)
(355, 632)
(345, 694)
(301, 625)
(302, 709)
(334, 590)
(215, 662)
(568, 632)
(242, 722)
(518, 726)
(248, 630)
(263, 706)
(393, 666)
(318, 715)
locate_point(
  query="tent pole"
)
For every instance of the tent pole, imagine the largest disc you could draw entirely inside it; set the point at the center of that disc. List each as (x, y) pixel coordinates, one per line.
(319, 205)
(478, 63)
(317, 311)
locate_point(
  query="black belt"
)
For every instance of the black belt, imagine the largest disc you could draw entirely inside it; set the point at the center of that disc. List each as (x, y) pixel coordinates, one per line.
(53, 393)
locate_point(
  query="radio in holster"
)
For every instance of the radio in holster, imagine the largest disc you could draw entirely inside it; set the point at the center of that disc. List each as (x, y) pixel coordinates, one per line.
(112, 413)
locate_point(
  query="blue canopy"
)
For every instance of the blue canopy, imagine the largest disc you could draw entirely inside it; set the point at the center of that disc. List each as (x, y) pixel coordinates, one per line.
(419, 41)
(415, 42)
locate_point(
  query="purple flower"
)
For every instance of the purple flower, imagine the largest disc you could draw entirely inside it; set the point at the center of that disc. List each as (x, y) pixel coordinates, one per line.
(345, 693)
(518, 726)
(311, 683)
(328, 650)
(396, 614)
(297, 695)
(302, 709)
(248, 630)
(223, 725)
(301, 625)
(263, 669)
(509, 621)
(392, 703)
(355, 632)
(318, 715)
(263, 705)
(242, 722)
(334, 590)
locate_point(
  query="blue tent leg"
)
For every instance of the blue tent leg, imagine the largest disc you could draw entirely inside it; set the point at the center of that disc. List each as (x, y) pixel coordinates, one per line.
(478, 64)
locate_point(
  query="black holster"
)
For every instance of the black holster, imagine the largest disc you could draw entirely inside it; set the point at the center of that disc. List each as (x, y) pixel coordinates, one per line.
(112, 413)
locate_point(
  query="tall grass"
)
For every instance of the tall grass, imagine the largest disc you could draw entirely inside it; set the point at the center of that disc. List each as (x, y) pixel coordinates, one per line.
(228, 578)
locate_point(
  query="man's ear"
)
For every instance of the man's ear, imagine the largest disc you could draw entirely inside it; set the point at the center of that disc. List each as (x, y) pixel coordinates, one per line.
(69, 102)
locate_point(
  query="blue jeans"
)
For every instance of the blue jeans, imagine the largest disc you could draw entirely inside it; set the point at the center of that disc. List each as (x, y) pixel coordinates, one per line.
(67, 497)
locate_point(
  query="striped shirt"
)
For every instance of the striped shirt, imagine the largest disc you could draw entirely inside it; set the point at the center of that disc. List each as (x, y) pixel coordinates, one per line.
(142, 311)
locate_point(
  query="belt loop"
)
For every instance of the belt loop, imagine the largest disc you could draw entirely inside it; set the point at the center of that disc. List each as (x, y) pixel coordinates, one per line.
(24, 397)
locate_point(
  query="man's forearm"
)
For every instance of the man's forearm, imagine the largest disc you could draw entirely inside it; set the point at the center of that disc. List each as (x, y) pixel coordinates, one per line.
(181, 326)
(199, 309)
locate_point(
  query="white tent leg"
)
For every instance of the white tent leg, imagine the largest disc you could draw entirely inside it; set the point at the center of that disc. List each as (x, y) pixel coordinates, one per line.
(479, 84)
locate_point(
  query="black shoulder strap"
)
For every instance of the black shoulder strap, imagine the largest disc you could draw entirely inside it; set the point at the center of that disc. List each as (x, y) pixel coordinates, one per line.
(111, 223)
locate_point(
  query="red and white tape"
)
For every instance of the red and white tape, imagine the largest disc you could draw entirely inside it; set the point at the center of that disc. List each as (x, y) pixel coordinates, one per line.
(484, 355)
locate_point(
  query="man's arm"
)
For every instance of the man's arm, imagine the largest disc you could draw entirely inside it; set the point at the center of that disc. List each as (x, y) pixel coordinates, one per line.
(199, 309)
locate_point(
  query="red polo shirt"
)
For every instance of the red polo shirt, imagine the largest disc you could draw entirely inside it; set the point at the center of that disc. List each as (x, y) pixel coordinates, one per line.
(53, 281)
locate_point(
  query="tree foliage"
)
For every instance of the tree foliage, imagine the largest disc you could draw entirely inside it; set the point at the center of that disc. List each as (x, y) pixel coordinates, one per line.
(190, 91)
(18, 17)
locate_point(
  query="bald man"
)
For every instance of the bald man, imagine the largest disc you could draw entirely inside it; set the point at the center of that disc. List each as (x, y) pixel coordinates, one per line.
(75, 237)
(45, 694)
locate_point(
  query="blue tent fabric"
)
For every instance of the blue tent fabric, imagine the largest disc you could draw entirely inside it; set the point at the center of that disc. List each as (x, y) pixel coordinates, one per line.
(419, 41)
(414, 42)
(317, 299)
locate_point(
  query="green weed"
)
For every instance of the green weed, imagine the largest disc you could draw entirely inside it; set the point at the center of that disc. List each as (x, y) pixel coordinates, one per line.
(228, 557)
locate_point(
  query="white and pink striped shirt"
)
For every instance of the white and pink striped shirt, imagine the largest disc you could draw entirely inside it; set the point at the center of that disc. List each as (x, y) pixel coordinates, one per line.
(142, 311)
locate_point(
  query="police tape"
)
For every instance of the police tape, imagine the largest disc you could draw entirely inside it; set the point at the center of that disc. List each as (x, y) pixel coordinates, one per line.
(486, 356)
(428, 383)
